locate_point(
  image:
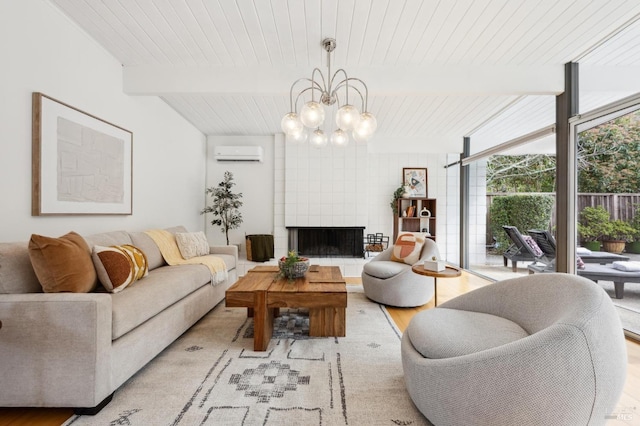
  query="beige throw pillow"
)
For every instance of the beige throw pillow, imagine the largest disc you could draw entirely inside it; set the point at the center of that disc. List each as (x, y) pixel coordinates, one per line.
(192, 244)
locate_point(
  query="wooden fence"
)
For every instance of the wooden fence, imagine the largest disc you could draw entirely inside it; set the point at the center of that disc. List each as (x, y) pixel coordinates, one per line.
(619, 206)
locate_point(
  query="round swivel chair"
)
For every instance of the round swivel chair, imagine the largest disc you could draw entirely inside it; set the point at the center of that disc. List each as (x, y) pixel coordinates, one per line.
(543, 349)
(393, 283)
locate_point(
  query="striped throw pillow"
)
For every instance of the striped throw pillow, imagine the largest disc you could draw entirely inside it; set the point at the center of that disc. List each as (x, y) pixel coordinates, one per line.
(119, 266)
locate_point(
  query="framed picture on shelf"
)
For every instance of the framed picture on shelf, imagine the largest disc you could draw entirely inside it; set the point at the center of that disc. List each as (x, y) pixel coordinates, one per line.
(81, 164)
(415, 181)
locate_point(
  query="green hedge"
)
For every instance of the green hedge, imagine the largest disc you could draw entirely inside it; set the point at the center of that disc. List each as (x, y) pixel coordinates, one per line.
(522, 211)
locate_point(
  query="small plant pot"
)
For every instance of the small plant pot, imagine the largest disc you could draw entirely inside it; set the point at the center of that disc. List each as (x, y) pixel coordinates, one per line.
(614, 246)
(295, 270)
(633, 247)
(592, 245)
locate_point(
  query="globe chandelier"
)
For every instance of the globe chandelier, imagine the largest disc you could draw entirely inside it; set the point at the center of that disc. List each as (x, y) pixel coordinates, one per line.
(326, 92)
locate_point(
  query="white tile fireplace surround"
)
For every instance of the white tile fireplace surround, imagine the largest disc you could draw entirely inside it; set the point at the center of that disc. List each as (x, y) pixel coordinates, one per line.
(347, 187)
(325, 187)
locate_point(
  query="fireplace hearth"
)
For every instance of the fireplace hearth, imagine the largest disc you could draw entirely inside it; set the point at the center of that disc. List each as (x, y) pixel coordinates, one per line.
(327, 241)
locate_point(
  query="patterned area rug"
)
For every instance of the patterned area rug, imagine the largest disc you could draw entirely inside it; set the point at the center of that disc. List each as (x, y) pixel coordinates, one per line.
(212, 376)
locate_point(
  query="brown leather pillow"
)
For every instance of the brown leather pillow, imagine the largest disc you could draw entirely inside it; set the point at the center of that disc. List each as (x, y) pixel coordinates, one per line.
(62, 264)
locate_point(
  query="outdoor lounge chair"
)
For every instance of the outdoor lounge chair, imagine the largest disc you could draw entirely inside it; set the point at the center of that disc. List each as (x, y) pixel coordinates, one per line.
(519, 250)
(547, 244)
(599, 273)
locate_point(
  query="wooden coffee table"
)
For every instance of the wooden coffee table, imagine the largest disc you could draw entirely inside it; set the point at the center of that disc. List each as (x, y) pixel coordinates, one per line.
(322, 290)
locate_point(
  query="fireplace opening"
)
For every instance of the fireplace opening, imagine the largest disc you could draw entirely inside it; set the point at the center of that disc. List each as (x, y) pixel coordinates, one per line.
(327, 241)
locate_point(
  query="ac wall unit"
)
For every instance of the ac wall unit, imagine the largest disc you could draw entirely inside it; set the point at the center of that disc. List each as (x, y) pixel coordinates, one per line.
(238, 153)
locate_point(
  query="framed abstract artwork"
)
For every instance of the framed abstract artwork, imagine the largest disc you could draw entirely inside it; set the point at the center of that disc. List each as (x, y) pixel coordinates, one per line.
(81, 164)
(415, 181)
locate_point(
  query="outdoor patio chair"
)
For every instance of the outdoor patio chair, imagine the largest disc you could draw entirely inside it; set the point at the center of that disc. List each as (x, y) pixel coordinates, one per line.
(520, 250)
(547, 244)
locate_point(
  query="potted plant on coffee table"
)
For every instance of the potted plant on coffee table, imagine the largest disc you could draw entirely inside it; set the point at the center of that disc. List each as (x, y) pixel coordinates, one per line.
(619, 233)
(593, 224)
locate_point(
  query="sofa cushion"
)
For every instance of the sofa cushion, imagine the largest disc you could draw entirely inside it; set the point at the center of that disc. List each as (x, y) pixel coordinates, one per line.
(112, 238)
(16, 272)
(62, 264)
(119, 266)
(384, 269)
(192, 244)
(445, 333)
(149, 248)
(146, 298)
(408, 247)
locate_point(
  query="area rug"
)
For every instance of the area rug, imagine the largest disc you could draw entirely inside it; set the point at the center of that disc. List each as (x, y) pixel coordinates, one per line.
(212, 376)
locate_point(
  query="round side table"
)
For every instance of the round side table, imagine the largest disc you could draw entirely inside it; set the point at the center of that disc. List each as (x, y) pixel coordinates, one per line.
(448, 272)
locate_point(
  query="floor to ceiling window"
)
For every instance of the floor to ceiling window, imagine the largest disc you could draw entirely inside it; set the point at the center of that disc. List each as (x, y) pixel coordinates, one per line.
(512, 177)
(608, 198)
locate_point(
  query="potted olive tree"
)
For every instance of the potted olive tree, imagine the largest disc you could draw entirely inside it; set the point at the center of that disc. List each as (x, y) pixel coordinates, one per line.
(593, 224)
(226, 204)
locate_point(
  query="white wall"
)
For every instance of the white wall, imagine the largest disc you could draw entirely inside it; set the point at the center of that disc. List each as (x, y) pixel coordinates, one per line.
(43, 51)
(253, 179)
(378, 175)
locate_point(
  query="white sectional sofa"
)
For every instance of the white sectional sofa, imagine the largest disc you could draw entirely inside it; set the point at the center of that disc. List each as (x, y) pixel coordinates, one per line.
(76, 349)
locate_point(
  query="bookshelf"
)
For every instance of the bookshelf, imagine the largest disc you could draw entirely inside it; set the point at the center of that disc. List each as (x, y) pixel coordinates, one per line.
(410, 219)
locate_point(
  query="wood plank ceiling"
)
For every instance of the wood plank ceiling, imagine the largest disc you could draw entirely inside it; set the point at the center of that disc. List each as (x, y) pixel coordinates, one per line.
(436, 70)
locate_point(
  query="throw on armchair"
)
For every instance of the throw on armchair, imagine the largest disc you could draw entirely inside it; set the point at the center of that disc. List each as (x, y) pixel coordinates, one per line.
(542, 349)
(393, 283)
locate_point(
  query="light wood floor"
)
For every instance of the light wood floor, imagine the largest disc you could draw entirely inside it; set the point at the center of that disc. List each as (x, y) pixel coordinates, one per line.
(628, 405)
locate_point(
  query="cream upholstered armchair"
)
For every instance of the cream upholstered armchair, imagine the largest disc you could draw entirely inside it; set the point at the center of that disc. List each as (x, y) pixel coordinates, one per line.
(393, 283)
(543, 349)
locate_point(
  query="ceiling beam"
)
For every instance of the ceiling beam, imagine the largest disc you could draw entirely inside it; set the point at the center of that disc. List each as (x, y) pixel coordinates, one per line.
(476, 80)
(609, 79)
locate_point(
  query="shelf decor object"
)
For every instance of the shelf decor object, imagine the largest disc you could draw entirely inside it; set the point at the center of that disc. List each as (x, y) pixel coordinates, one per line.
(81, 164)
(327, 91)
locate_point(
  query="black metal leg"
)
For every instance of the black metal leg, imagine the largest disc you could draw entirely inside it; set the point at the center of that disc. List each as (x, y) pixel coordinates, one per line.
(435, 291)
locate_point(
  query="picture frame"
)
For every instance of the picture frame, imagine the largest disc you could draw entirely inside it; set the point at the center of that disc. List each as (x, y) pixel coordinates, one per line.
(415, 181)
(81, 164)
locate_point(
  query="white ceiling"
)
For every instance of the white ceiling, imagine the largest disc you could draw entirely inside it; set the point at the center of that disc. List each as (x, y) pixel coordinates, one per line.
(436, 70)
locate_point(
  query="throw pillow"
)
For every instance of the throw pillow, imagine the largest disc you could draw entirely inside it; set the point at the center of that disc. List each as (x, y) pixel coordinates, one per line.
(192, 244)
(533, 245)
(62, 264)
(408, 247)
(119, 266)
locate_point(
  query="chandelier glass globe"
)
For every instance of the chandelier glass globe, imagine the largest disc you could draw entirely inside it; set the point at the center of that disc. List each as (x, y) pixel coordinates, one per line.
(299, 137)
(367, 125)
(318, 139)
(347, 117)
(312, 114)
(291, 124)
(339, 138)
